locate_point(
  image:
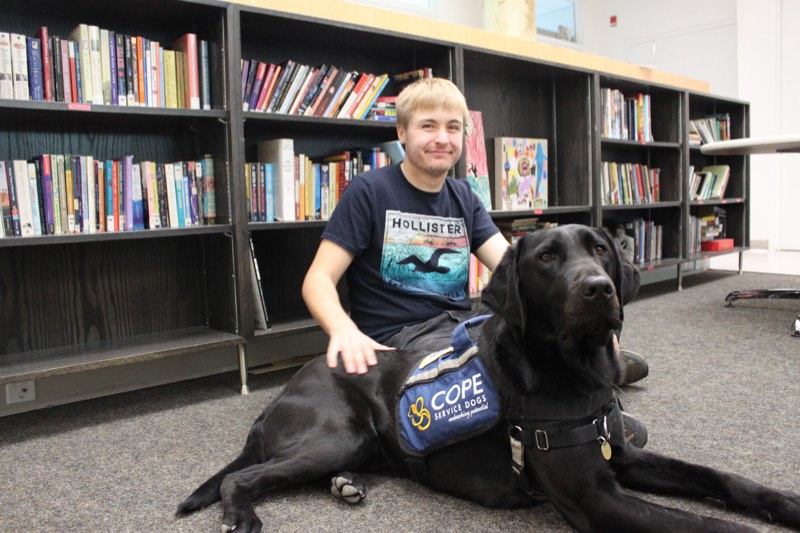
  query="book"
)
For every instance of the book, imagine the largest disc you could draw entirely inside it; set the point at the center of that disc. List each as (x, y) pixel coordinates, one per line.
(35, 76)
(105, 67)
(6, 224)
(209, 189)
(97, 66)
(719, 182)
(404, 79)
(48, 85)
(521, 176)
(19, 66)
(22, 187)
(475, 156)
(187, 43)
(80, 35)
(205, 75)
(260, 313)
(6, 72)
(280, 152)
(394, 150)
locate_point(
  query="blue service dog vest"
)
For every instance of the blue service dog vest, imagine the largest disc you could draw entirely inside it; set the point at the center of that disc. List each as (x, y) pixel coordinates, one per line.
(447, 397)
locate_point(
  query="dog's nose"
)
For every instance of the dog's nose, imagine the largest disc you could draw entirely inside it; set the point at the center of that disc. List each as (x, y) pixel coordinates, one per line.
(597, 288)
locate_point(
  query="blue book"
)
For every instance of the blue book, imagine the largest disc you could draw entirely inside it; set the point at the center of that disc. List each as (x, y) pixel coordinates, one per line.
(109, 172)
(179, 196)
(35, 78)
(269, 186)
(33, 191)
(137, 203)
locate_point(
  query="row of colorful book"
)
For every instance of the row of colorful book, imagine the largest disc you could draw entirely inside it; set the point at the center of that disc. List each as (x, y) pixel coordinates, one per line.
(288, 186)
(707, 223)
(102, 67)
(298, 89)
(626, 117)
(58, 194)
(629, 183)
(640, 240)
(711, 128)
(709, 183)
(479, 276)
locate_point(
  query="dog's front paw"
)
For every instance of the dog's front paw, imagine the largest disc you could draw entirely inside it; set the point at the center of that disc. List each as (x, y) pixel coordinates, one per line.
(348, 486)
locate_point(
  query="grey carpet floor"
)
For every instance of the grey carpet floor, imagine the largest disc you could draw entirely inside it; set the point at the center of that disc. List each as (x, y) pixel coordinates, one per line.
(723, 390)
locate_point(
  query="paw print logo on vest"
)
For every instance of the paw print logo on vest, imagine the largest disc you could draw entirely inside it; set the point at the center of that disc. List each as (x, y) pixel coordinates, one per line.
(419, 415)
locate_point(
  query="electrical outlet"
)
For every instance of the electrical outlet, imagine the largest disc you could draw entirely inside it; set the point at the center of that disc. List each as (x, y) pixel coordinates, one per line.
(24, 391)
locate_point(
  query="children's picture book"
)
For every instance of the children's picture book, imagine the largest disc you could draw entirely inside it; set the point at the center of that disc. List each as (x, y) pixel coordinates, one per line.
(475, 154)
(520, 173)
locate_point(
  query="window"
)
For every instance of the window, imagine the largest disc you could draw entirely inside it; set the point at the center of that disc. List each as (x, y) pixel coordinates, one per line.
(557, 19)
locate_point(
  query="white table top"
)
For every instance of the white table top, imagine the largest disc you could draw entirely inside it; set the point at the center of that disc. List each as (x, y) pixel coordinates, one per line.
(756, 145)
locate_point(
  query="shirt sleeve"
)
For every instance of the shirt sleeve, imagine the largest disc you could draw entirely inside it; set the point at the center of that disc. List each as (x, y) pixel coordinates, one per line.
(351, 222)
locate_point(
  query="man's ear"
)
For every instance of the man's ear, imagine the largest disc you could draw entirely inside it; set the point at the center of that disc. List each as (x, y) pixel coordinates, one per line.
(502, 294)
(401, 134)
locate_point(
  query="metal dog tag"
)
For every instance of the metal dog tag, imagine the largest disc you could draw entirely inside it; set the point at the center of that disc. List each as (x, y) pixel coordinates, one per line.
(605, 449)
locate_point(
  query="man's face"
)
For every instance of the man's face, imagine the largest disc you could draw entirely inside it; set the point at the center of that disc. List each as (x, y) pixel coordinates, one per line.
(433, 140)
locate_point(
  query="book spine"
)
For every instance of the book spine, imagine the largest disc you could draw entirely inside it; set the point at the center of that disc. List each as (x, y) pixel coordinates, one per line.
(209, 189)
(35, 79)
(47, 65)
(113, 79)
(187, 44)
(97, 65)
(6, 71)
(205, 76)
(66, 81)
(33, 193)
(19, 66)
(7, 227)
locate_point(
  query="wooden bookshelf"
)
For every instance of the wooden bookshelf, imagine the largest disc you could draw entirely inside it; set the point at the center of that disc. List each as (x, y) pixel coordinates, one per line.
(77, 302)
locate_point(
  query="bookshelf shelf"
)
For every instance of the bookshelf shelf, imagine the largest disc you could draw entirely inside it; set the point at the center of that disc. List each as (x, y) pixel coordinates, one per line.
(134, 296)
(54, 362)
(161, 233)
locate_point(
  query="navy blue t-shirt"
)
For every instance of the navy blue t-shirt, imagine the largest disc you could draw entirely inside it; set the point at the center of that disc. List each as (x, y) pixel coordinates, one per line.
(411, 248)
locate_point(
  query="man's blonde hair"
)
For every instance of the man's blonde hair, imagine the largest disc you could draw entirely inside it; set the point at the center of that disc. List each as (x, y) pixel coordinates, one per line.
(428, 94)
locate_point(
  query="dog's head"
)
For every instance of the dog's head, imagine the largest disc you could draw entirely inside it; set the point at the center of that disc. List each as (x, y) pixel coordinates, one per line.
(563, 282)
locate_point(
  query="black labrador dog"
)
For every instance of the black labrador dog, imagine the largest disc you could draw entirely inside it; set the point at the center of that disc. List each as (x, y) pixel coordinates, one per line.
(548, 350)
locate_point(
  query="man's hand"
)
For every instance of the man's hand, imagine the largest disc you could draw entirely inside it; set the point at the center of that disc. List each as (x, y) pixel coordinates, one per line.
(356, 348)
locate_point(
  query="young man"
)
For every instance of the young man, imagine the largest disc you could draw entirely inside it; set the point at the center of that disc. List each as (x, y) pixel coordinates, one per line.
(403, 235)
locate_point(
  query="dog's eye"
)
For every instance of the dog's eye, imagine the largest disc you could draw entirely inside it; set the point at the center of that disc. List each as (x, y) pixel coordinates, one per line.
(600, 250)
(546, 257)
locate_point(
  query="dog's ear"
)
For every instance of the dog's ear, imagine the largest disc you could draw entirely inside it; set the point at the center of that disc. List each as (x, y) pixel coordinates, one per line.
(616, 253)
(503, 294)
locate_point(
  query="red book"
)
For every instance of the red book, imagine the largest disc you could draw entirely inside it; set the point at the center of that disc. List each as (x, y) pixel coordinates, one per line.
(716, 245)
(187, 44)
(73, 72)
(265, 87)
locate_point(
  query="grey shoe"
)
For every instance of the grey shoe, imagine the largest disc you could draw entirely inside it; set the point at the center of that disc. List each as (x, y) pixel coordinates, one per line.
(632, 367)
(635, 432)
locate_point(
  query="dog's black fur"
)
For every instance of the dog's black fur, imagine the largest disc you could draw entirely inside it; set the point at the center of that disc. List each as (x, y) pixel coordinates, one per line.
(555, 299)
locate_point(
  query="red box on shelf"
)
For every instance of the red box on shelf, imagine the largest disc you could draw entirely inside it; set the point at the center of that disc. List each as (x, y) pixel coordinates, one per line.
(716, 245)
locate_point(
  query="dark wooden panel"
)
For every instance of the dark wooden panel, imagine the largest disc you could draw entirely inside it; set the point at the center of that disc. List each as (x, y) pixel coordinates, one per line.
(63, 295)
(570, 159)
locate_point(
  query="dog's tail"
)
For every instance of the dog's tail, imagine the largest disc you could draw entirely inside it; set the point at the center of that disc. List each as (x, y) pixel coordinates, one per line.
(208, 492)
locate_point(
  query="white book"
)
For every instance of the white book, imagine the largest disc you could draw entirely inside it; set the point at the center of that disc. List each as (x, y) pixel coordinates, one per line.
(97, 65)
(90, 216)
(280, 152)
(105, 65)
(22, 185)
(172, 203)
(33, 188)
(298, 80)
(19, 66)
(6, 71)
